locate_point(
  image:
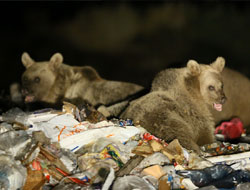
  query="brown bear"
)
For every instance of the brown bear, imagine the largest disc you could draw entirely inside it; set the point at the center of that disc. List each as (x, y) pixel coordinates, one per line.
(177, 106)
(237, 89)
(52, 81)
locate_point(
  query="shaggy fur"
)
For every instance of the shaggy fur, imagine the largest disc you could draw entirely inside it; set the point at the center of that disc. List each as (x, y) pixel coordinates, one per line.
(237, 89)
(52, 81)
(177, 106)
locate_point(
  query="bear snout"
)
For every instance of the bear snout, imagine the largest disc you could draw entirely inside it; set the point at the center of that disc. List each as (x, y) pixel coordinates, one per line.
(26, 91)
(223, 99)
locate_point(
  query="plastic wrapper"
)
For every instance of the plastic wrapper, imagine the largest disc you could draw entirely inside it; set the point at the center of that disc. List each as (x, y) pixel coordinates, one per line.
(223, 148)
(87, 161)
(110, 154)
(152, 180)
(122, 123)
(16, 115)
(129, 146)
(15, 143)
(100, 144)
(230, 181)
(188, 184)
(221, 176)
(12, 173)
(231, 129)
(4, 127)
(68, 159)
(100, 175)
(204, 177)
(156, 158)
(197, 162)
(109, 179)
(132, 182)
(26, 120)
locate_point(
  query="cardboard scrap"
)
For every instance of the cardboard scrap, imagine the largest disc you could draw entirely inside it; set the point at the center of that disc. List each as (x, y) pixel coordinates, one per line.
(163, 184)
(155, 171)
(35, 180)
(156, 146)
(143, 150)
(174, 152)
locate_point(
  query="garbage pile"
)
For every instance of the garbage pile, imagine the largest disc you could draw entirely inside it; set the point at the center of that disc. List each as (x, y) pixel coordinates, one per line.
(77, 148)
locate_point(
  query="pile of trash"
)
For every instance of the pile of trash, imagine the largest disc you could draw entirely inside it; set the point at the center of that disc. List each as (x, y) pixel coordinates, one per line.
(77, 148)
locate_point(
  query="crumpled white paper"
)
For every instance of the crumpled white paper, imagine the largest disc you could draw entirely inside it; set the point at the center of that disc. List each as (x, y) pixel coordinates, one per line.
(72, 134)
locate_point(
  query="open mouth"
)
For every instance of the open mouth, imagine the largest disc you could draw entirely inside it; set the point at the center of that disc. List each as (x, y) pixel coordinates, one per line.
(218, 107)
(29, 98)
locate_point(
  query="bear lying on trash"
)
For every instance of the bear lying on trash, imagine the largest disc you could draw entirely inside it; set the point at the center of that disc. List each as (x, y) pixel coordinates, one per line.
(52, 82)
(177, 106)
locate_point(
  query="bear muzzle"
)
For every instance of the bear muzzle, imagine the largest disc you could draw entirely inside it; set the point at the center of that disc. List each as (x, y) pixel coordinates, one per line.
(28, 95)
(218, 106)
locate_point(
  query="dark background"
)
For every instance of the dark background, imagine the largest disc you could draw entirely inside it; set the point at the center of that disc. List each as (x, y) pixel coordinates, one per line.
(124, 41)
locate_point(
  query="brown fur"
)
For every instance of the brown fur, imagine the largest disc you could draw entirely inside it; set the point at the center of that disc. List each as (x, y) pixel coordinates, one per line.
(52, 81)
(237, 89)
(177, 106)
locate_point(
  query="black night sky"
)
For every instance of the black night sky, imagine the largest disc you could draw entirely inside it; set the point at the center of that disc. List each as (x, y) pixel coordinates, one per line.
(124, 41)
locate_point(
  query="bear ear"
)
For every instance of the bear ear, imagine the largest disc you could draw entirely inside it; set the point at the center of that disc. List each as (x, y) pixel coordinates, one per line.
(56, 60)
(194, 67)
(26, 60)
(218, 64)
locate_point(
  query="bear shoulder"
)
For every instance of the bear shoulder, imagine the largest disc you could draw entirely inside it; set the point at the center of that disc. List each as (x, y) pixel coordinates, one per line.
(165, 79)
(87, 72)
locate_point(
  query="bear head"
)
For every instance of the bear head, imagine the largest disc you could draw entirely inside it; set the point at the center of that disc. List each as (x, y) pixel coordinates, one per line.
(39, 77)
(209, 81)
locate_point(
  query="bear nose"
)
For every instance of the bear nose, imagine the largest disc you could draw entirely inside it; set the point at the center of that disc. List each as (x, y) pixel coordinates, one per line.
(223, 99)
(25, 91)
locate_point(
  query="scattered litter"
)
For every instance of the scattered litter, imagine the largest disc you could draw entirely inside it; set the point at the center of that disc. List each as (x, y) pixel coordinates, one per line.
(231, 129)
(132, 182)
(78, 148)
(13, 174)
(15, 143)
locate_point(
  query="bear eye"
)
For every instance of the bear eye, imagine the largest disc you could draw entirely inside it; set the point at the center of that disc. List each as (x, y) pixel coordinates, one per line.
(211, 87)
(37, 79)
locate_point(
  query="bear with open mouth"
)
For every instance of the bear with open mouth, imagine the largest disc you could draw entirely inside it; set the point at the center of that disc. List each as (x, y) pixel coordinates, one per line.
(53, 81)
(179, 101)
